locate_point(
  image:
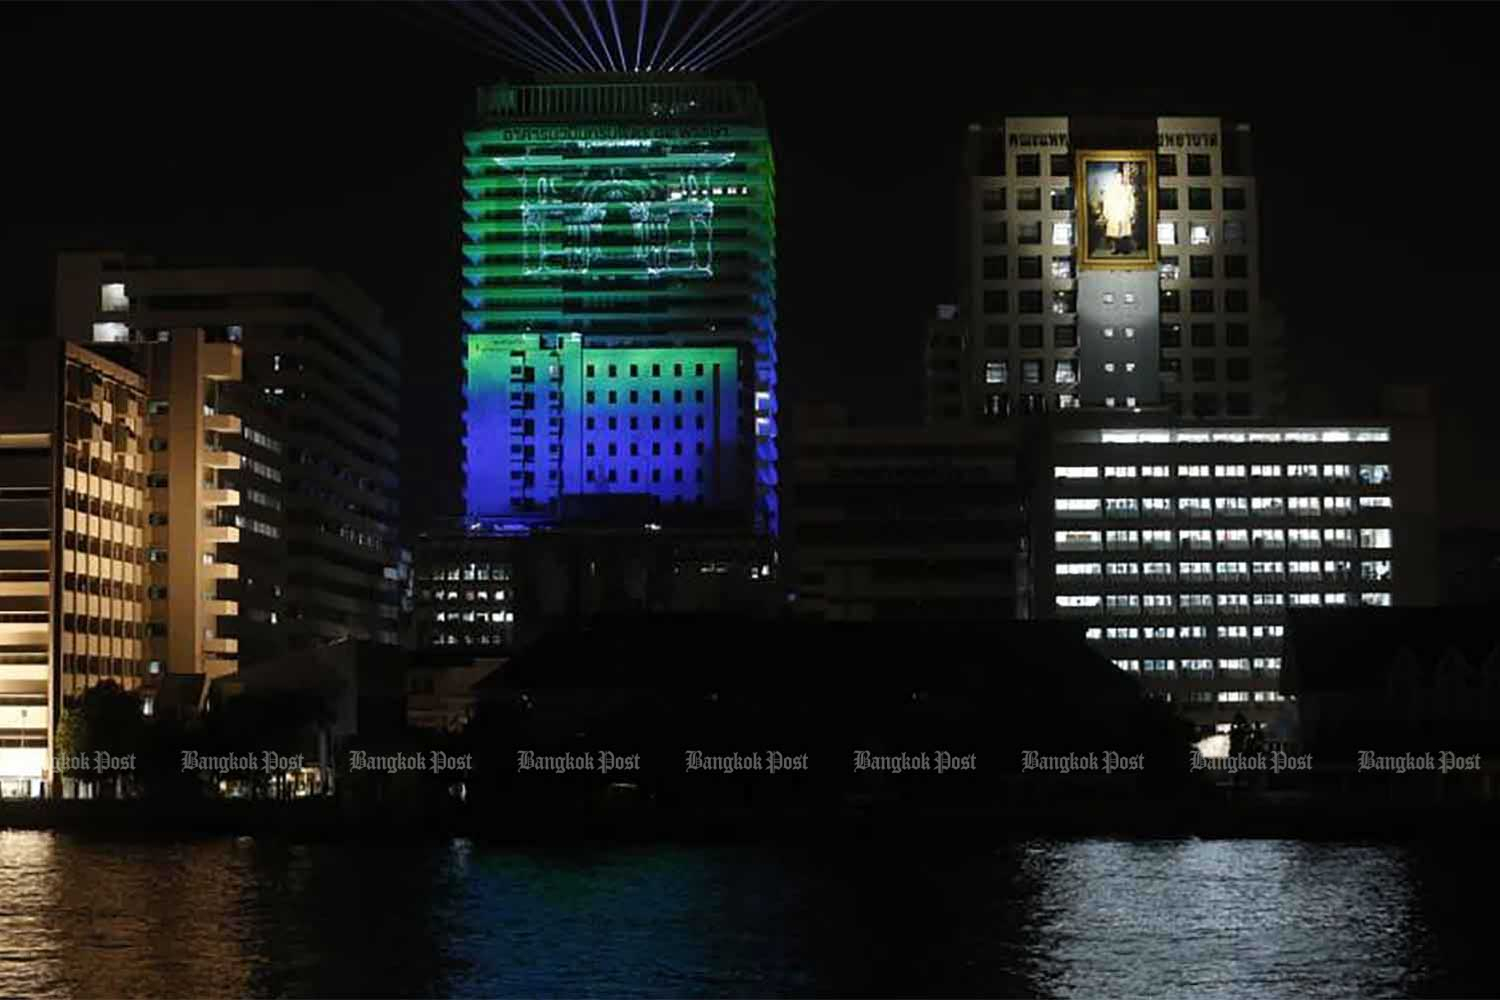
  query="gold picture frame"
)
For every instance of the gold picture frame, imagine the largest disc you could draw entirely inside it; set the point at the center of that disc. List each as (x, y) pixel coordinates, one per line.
(1115, 209)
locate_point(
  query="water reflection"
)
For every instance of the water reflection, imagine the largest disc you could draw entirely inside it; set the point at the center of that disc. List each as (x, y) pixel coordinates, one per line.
(83, 917)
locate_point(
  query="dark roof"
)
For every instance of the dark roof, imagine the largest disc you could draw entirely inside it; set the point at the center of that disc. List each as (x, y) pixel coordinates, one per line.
(1350, 649)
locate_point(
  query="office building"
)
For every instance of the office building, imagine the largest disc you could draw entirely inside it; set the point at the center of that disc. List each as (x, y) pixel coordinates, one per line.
(909, 524)
(1181, 547)
(293, 457)
(619, 300)
(74, 543)
(1140, 292)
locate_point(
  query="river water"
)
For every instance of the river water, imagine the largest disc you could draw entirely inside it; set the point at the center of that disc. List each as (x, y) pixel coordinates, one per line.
(82, 917)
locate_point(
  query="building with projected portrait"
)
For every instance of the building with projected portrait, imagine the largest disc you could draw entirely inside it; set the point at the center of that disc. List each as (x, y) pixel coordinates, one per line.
(1111, 262)
(619, 301)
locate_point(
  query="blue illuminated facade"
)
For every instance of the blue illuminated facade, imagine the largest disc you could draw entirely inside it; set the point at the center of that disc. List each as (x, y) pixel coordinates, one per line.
(619, 300)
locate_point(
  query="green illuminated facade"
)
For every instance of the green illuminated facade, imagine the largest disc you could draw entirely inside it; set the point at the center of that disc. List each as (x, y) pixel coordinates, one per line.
(619, 298)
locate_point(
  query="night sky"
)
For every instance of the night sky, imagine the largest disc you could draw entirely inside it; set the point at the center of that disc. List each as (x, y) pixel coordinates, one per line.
(330, 135)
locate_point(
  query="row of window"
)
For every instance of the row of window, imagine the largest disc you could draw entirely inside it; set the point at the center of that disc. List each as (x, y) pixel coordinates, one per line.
(1371, 474)
(1168, 199)
(1062, 164)
(1089, 507)
(1065, 371)
(1375, 570)
(613, 371)
(1064, 302)
(1223, 538)
(1030, 335)
(1207, 603)
(633, 396)
(1230, 664)
(1197, 233)
(471, 571)
(467, 595)
(996, 267)
(1148, 633)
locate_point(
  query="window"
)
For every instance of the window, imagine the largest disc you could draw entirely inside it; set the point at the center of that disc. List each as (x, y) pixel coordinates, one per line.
(1234, 232)
(1166, 164)
(1171, 300)
(1028, 267)
(1065, 336)
(1171, 335)
(1202, 300)
(1199, 165)
(1062, 199)
(1122, 539)
(1374, 475)
(1236, 300)
(1200, 199)
(1076, 472)
(1067, 401)
(1031, 372)
(1031, 233)
(993, 199)
(997, 302)
(1028, 165)
(1374, 538)
(1029, 199)
(1237, 334)
(1194, 507)
(1237, 369)
(1065, 371)
(996, 372)
(1031, 334)
(995, 267)
(1077, 541)
(1193, 471)
(1170, 268)
(1236, 265)
(1203, 334)
(1203, 369)
(1304, 538)
(1029, 301)
(1200, 266)
(1166, 199)
(1234, 199)
(994, 234)
(1078, 569)
(1166, 233)
(1064, 301)
(1078, 600)
(997, 335)
(1379, 600)
(1302, 471)
(1200, 234)
(1062, 234)
(1119, 472)
(1374, 503)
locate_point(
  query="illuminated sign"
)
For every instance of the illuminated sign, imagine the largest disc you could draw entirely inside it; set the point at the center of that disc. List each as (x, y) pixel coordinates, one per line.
(1116, 209)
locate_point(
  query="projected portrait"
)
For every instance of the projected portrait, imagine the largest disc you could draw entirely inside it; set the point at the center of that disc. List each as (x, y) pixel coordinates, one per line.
(1117, 210)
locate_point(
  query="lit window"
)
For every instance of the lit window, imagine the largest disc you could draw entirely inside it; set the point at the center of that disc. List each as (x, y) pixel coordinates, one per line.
(1119, 472)
(1076, 471)
(1166, 234)
(112, 298)
(1200, 234)
(111, 333)
(1078, 600)
(1065, 371)
(996, 372)
(1062, 234)
(1378, 600)
(1374, 538)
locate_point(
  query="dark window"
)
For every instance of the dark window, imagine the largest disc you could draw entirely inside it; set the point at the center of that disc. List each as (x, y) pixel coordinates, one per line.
(1062, 165)
(1064, 301)
(1173, 402)
(1238, 404)
(1166, 164)
(1062, 199)
(1200, 165)
(1171, 300)
(1166, 199)
(1170, 367)
(1029, 165)
(996, 302)
(1028, 267)
(1203, 335)
(1201, 267)
(1237, 334)
(1065, 336)
(1202, 300)
(1234, 199)
(1236, 265)
(1200, 199)
(994, 200)
(1031, 372)
(1029, 199)
(1237, 369)
(1236, 300)
(1205, 404)
(1029, 301)
(1031, 233)
(997, 335)
(994, 267)
(994, 233)
(1203, 369)
(1031, 336)
(1171, 335)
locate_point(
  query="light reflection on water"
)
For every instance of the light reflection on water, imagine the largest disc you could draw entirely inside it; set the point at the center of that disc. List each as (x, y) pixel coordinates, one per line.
(85, 917)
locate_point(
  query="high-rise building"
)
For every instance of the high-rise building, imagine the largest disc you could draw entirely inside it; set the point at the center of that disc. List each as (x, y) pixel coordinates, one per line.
(619, 299)
(73, 544)
(1181, 546)
(293, 455)
(1113, 262)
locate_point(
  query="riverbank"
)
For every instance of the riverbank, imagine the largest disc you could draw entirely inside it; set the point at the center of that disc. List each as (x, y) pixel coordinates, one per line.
(316, 820)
